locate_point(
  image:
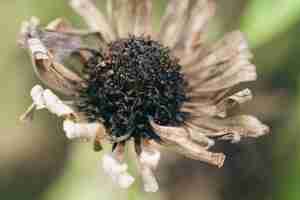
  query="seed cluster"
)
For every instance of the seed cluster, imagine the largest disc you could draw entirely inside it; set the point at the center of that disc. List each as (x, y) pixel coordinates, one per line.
(134, 80)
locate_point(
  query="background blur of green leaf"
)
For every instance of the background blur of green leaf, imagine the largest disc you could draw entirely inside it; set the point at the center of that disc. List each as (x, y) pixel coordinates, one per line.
(37, 162)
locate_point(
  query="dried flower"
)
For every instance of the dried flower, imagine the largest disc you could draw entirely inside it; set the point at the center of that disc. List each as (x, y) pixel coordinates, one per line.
(157, 89)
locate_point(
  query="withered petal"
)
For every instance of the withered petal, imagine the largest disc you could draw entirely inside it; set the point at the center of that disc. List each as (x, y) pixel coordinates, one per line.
(195, 30)
(179, 139)
(198, 107)
(52, 73)
(224, 65)
(173, 22)
(241, 126)
(143, 22)
(94, 18)
(121, 14)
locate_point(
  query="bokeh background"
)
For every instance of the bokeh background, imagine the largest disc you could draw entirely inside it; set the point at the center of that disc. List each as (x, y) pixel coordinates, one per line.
(38, 163)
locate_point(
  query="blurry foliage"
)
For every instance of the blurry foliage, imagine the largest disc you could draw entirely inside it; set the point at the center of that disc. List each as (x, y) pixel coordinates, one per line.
(34, 159)
(263, 20)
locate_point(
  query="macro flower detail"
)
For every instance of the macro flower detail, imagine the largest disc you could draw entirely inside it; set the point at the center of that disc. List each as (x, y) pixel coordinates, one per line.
(136, 85)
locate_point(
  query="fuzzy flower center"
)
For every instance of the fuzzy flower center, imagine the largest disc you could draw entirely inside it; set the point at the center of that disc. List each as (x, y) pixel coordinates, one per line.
(134, 80)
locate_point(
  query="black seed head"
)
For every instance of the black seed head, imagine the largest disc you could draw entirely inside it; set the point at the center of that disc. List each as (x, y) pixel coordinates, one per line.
(135, 80)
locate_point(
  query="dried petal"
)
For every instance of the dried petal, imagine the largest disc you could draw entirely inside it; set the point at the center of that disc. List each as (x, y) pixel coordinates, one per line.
(143, 22)
(38, 97)
(55, 105)
(173, 22)
(62, 39)
(201, 13)
(49, 71)
(113, 166)
(199, 108)
(149, 180)
(81, 130)
(122, 16)
(232, 101)
(233, 128)
(148, 161)
(195, 29)
(226, 64)
(178, 136)
(94, 18)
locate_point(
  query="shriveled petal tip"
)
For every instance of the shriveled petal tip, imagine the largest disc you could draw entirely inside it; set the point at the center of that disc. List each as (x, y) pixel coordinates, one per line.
(46, 58)
(55, 105)
(148, 160)
(236, 99)
(252, 126)
(37, 48)
(93, 17)
(117, 171)
(37, 96)
(180, 139)
(150, 182)
(210, 107)
(27, 27)
(221, 66)
(231, 128)
(81, 130)
(47, 99)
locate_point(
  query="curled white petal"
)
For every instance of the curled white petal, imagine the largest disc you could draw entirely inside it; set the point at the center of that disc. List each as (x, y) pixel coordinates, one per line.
(37, 48)
(37, 96)
(148, 160)
(117, 171)
(55, 105)
(47, 99)
(149, 180)
(80, 130)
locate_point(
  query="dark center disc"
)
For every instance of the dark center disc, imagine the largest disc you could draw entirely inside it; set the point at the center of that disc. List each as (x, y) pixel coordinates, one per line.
(135, 80)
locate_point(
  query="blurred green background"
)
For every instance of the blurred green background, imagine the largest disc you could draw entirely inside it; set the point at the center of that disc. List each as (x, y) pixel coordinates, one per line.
(37, 162)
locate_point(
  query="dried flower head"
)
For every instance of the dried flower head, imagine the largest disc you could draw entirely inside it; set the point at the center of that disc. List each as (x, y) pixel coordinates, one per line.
(169, 88)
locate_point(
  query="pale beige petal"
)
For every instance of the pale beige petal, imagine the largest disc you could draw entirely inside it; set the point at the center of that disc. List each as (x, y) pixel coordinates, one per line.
(52, 73)
(122, 16)
(60, 35)
(178, 137)
(173, 22)
(200, 108)
(143, 22)
(202, 11)
(231, 45)
(115, 167)
(148, 160)
(233, 101)
(196, 153)
(195, 30)
(94, 18)
(224, 65)
(232, 128)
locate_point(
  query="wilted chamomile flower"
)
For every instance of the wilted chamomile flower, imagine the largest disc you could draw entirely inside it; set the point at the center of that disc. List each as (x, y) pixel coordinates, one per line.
(168, 88)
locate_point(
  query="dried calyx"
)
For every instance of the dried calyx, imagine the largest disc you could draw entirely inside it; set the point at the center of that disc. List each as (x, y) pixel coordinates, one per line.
(134, 80)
